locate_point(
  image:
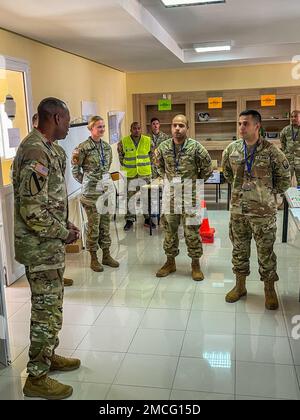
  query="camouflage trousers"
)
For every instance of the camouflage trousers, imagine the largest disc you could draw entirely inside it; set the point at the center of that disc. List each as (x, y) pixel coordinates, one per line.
(47, 291)
(98, 231)
(129, 216)
(193, 242)
(263, 229)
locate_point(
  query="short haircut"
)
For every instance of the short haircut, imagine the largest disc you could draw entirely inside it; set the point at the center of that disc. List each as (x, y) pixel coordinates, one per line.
(296, 111)
(93, 120)
(254, 114)
(154, 119)
(133, 124)
(49, 107)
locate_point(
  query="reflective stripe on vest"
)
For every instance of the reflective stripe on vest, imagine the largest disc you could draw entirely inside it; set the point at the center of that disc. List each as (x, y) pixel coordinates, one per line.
(137, 160)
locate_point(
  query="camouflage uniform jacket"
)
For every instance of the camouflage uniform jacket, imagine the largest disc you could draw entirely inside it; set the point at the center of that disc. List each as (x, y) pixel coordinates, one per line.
(90, 161)
(41, 205)
(290, 147)
(159, 138)
(270, 175)
(194, 161)
(156, 141)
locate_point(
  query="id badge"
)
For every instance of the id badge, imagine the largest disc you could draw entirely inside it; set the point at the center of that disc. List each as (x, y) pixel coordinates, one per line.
(106, 177)
(177, 180)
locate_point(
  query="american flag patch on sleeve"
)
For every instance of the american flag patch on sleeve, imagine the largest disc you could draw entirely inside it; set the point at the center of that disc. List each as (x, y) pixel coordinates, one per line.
(40, 169)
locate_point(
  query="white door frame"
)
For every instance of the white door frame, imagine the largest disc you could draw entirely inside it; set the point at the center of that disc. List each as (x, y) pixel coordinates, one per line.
(13, 269)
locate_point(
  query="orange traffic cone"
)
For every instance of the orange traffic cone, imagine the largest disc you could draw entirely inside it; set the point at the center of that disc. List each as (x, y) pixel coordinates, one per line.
(205, 231)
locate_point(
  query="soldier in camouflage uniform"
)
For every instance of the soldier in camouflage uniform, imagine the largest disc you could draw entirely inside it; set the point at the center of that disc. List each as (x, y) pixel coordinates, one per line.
(290, 144)
(257, 170)
(181, 158)
(41, 231)
(91, 161)
(157, 137)
(62, 154)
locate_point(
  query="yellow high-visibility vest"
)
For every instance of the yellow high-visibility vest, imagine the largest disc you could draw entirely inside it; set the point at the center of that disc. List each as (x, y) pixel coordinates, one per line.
(137, 160)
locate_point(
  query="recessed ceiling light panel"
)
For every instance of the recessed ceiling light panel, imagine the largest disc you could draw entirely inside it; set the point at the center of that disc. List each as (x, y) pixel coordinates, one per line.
(214, 48)
(178, 3)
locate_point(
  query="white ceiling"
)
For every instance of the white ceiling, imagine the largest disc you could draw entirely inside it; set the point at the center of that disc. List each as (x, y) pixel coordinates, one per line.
(138, 35)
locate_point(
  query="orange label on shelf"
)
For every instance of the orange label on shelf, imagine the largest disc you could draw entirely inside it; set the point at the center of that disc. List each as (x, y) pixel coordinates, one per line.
(268, 100)
(214, 103)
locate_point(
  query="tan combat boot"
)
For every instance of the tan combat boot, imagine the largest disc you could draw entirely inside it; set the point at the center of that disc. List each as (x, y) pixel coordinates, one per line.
(271, 300)
(168, 268)
(107, 259)
(238, 291)
(47, 388)
(64, 364)
(95, 264)
(197, 274)
(68, 282)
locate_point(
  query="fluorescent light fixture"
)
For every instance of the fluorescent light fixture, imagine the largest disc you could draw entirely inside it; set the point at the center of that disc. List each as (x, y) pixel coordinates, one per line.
(215, 48)
(175, 3)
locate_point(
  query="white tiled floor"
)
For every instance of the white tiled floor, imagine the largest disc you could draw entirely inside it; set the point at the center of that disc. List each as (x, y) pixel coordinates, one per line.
(140, 337)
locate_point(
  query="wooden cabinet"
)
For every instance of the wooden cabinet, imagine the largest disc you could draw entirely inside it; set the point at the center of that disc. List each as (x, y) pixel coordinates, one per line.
(219, 127)
(215, 124)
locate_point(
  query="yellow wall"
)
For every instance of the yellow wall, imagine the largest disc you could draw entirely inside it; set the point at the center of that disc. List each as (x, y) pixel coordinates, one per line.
(66, 76)
(244, 77)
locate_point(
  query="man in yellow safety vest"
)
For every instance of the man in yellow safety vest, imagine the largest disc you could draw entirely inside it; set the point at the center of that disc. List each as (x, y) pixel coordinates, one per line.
(135, 155)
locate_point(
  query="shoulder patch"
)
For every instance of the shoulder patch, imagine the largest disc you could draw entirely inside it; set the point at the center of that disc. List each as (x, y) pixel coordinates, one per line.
(36, 183)
(285, 164)
(41, 169)
(75, 157)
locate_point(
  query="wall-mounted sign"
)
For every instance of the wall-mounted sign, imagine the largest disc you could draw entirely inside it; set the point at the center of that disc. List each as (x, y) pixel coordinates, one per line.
(268, 100)
(215, 103)
(164, 105)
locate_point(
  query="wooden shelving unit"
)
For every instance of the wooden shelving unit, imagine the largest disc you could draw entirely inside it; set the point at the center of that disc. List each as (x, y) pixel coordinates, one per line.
(222, 127)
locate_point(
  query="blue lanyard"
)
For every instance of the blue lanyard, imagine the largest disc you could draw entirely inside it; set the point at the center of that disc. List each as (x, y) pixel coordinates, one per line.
(249, 164)
(177, 159)
(294, 135)
(102, 155)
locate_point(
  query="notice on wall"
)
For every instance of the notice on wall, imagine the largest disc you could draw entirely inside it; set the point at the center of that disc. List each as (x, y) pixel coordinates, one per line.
(115, 119)
(215, 103)
(88, 109)
(14, 137)
(268, 100)
(165, 105)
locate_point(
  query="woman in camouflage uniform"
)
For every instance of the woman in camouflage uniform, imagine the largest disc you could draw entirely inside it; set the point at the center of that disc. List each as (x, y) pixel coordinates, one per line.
(91, 161)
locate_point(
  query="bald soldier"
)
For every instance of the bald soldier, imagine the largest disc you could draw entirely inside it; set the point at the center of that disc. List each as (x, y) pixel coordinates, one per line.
(257, 170)
(290, 144)
(178, 159)
(41, 231)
